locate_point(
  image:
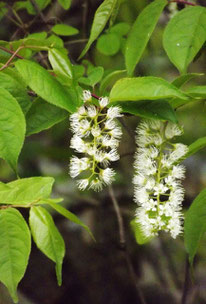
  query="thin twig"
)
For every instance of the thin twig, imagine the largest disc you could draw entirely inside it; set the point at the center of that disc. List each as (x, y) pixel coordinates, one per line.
(36, 7)
(183, 2)
(76, 41)
(186, 286)
(11, 58)
(122, 239)
(10, 52)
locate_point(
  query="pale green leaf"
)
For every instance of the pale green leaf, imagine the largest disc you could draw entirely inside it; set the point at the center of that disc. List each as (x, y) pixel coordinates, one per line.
(101, 17)
(144, 88)
(183, 79)
(47, 237)
(70, 216)
(140, 33)
(140, 238)
(184, 36)
(15, 246)
(120, 29)
(195, 224)
(65, 3)
(197, 91)
(42, 116)
(108, 44)
(60, 63)
(45, 85)
(12, 128)
(64, 30)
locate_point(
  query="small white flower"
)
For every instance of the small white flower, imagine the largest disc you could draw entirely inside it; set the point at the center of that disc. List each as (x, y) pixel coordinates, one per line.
(116, 132)
(172, 130)
(179, 151)
(112, 155)
(110, 124)
(103, 101)
(78, 144)
(91, 110)
(96, 131)
(178, 171)
(107, 175)
(81, 111)
(114, 112)
(82, 184)
(160, 189)
(96, 185)
(77, 165)
(87, 96)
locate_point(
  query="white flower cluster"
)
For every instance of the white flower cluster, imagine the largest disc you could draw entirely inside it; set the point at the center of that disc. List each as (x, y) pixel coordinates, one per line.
(96, 135)
(158, 190)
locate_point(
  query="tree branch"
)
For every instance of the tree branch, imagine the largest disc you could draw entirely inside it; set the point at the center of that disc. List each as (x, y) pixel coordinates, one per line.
(10, 52)
(122, 239)
(11, 58)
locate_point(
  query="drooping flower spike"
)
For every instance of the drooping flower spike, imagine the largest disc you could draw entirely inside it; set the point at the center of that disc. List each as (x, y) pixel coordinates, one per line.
(158, 191)
(96, 135)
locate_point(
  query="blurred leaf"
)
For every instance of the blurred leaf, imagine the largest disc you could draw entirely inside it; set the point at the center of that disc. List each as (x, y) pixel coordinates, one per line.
(42, 116)
(47, 237)
(101, 17)
(64, 30)
(19, 5)
(179, 81)
(42, 4)
(109, 80)
(3, 9)
(195, 224)
(70, 216)
(120, 29)
(108, 44)
(140, 33)
(27, 190)
(141, 239)
(65, 4)
(15, 244)
(197, 145)
(60, 63)
(16, 89)
(38, 36)
(45, 85)
(56, 42)
(198, 91)
(94, 77)
(184, 36)
(12, 128)
(144, 88)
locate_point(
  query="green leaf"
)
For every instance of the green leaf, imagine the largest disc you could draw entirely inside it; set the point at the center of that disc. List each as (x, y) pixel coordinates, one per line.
(195, 224)
(184, 36)
(94, 76)
(110, 79)
(19, 5)
(42, 116)
(17, 90)
(60, 63)
(27, 191)
(121, 29)
(64, 30)
(179, 81)
(108, 44)
(45, 85)
(12, 128)
(47, 237)
(144, 88)
(138, 233)
(198, 91)
(15, 247)
(199, 144)
(70, 216)
(56, 41)
(65, 3)
(155, 109)
(101, 17)
(140, 33)
(42, 4)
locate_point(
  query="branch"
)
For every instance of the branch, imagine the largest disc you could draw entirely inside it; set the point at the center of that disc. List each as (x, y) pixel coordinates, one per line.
(10, 52)
(11, 58)
(183, 2)
(123, 246)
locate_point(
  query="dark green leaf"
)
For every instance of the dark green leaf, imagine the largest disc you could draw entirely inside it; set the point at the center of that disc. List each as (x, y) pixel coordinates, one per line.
(199, 144)
(12, 128)
(45, 85)
(144, 88)
(195, 224)
(60, 63)
(185, 35)
(101, 17)
(15, 246)
(47, 237)
(108, 44)
(93, 77)
(42, 116)
(64, 30)
(138, 233)
(140, 33)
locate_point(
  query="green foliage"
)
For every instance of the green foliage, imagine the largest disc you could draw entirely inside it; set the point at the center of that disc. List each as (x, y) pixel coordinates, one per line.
(199, 144)
(65, 4)
(184, 36)
(140, 33)
(140, 238)
(15, 244)
(64, 30)
(195, 224)
(47, 237)
(60, 63)
(108, 44)
(11, 137)
(101, 17)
